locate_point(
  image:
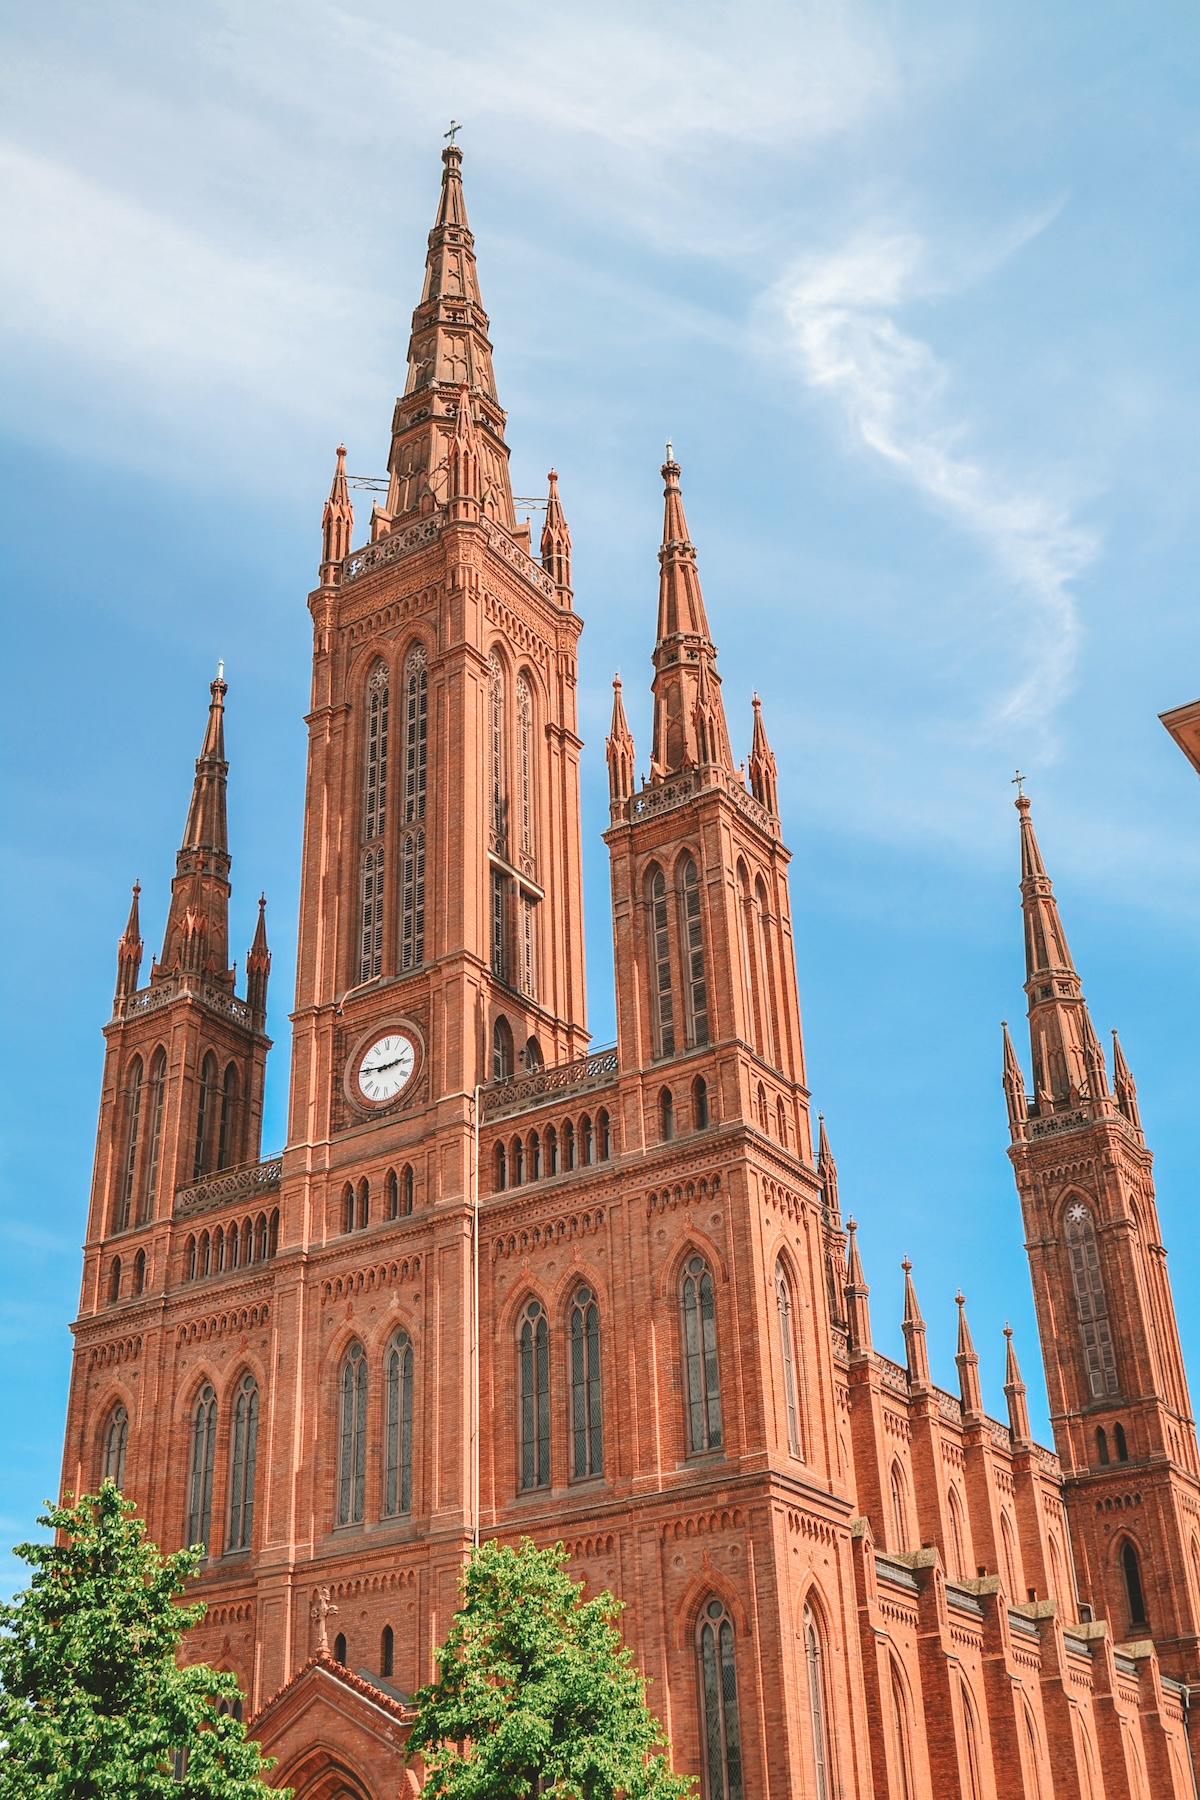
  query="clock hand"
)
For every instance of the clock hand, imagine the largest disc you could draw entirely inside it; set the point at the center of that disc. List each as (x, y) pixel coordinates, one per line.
(380, 1068)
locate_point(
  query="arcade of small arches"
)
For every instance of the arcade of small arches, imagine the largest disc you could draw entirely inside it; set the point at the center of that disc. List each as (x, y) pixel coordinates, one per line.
(217, 1142)
(232, 1246)
(556, 1149)
(399, 1198)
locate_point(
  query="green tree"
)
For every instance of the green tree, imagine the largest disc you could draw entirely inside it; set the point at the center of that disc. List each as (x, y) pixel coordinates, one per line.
(535, 1692)
(92, 1703)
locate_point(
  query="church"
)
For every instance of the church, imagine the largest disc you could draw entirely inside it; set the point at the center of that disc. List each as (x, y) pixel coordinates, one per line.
(501, 1283)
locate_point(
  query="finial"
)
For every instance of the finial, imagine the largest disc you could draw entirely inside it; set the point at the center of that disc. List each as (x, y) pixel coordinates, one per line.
(454, 130)
(906, 1265)
(220, 668)
(670, 451)
(852, 1223)
(960, 1299)
(1008, 1330)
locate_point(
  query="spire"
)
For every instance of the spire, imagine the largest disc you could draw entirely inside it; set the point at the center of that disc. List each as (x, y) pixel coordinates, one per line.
(858, 1312)
(197, 935)
(827, 1169)
(448, 348)
(462, 482)
(337, 522)
(619, 750)
(1014, 1390)
(556, 543)
(916, 1351)
(1123, 1083)
(1014, 1082)
(258, 967)
(763, 784)
(689, 718)
(970, 1392)
(129, 951)
(1068, 1065)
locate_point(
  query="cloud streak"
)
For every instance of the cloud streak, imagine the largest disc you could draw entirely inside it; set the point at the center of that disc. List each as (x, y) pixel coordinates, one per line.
(893, 394)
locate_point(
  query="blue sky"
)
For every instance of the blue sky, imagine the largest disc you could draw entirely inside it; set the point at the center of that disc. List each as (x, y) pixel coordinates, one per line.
(913, 290)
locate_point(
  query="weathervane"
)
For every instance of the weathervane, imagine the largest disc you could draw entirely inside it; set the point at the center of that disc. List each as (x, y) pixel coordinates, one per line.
(454, 130)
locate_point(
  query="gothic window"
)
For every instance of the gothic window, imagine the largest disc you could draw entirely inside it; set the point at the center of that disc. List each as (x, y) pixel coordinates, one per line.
(352, 1446)
(116, 1440)
(1090, 1302)
(762, 926)
(204, 1114)
(1131, 1569)
(134, 1116)
(666, 1115)
(204, 1448)
(1102, 1443)
(535, 1157)
(971, 1734)
(517, 1162)
(1119, 1441)
(534, 1059)
(387, 1652)
(551, 1150)
(375, 783)
(243, 1455)
(114, 1281)
(398, 1425)
(139, 1272)
(499, 925)
(526, 773)
(762, 1106)
(204, 1256)
(660, 963)
(407, 1190)
(699, 1103)
(189, 1252)
(783, 1308)
(497, 785)
(603, 1135)
(227, 1131)
(528, 946)
(718, 1689)
(348, 1207)
(901, 1737)
(364, 1204)
(693, 949)
(700, 1357)
(391, 1188)
(1035, 1754)
(158, 1089)
(818, 1707)
(412, 900)
(899, 1508)
(781, 1121)
(416, 721)
(534, 1343)
(501, 1168)
(586, 1403)
(587, 1140)
(568, 1144)
(370, 937)
(218, 1249)
(339, 1648)
(273, 1232)
(502, 1050)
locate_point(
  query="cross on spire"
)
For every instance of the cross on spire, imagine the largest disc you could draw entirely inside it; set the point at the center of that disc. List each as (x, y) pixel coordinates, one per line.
(454, 130)
(1018, 781)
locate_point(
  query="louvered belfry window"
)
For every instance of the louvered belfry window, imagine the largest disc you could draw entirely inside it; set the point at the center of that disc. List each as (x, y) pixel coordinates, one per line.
(660, 959)
(375, 784)
(693, 941)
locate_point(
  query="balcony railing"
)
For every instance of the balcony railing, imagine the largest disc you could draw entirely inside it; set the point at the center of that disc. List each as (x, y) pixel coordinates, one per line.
(516, 1092)
(251, 1182)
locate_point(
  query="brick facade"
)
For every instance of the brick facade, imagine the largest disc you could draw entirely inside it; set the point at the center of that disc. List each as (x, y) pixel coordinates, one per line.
(841, 1580)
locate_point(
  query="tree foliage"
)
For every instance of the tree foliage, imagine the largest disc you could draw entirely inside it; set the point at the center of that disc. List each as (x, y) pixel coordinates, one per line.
(535, 1692)
(92, 1703)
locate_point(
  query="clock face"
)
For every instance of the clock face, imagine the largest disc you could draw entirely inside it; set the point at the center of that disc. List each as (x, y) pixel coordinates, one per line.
(386, 1067)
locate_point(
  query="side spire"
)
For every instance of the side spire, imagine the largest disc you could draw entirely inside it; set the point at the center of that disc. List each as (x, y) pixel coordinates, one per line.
(619, 751)
(1014, 1393)
(1068, 1064)
(763, 775)
(689, 716)
(858, 1312)
(196, 940)
(916, 1349)
(129, 952)
(827, 1168)
(258, 967)
(337, 523)
(970, 1392)
(1123, 1084)
(462, 484)
(1014, 1084)
(556, 542)
(448, 349)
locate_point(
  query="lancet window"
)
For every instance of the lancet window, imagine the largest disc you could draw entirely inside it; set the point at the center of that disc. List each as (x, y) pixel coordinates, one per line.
(1131, 1569)
(227, 1131)
(398, 1425)
(818, 1706)
(243, 1456)
(693, 955)
(660, 963)
(497, 784)
(1099, 1355)
(534, 1358)
(133, 1130)
(587, 1434)
(416, 726)
(783, 1308)
(902, 1738)
(200, 1483)
(701, 1367)
(376, 772)
(718, 1689)
(158, 1090)
(205, 1107)
(352, 1445)
(116, 1440)
(526, 774)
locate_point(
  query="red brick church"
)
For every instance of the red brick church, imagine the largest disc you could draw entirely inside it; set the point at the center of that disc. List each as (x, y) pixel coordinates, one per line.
(500, 1283)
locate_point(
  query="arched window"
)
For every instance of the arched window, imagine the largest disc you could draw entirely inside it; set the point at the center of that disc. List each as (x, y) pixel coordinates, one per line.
(603, 1135)
(407, 1190)
(781, 1121)
(134, 1115)
(339, 1648)
(1131, 1569)
(551, 1150)
(273, 1232)
(391, 1194)
(660, 963)
(517, 1162)
(158, 1090)
(693, 940)
(1120, 1442)
(398, 1425)
(586, 1404)
(526, 771)
(243, 1455)
(535, 1157)
(666, 1115)
(189, 1252)
(204, 1448)
(783, 1308)
(233, 1245)
(534, 1342)
(899, 1508)
(587, 1141)
(762, 1106)
(205, 1107)
(348, 1207)
(248, 1241)
(699, 1103)
(818, 1707)
(901, 1737)
(568, 1143)
(958, 1543)
(502, 1050)
(352, 1448)
(1102, 1443)
(227, 1130)
(218, 1250)
(116, 1440)
(370, 935)
(139, 1272)
(387, 1652)
(416, 724)
(971, 1734)
(114, 1281)
(205, 1253)
(1090, 1301)
(534, 1059)
(376, 755)
(364, 1204)
(718, 1690)
(700, 1357)
(762, 926)
(497, 782)
(501, 1168)
(412, 900)
(1035, 1754)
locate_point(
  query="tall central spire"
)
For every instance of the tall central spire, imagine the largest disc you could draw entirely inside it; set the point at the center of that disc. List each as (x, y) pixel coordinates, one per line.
(1068, 1064)
(689, 717)
(448, 350)
(196, 940)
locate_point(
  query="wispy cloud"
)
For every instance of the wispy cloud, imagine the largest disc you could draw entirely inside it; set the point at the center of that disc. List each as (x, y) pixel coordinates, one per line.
(894, 394)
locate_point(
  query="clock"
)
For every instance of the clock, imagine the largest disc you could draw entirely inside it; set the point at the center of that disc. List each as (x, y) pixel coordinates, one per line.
(386, 1067)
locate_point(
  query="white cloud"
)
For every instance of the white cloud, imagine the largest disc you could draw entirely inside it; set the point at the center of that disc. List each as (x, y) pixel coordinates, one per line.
(893, 393)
